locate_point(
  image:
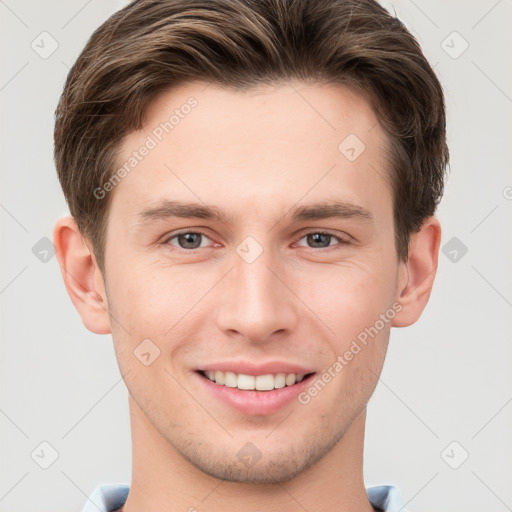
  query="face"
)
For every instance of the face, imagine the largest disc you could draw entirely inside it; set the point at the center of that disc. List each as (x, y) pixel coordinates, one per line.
(251, 273)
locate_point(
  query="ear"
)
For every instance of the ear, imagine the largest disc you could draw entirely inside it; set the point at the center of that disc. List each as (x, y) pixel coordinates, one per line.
(82, 276)
(416, 277)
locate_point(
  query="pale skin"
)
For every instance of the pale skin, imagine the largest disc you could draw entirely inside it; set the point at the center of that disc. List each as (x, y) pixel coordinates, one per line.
(256, 156)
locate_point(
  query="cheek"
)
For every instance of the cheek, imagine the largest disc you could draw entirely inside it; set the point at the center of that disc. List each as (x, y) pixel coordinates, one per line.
(348, 297)
(355, 304)
(151, 300)
(164, 305)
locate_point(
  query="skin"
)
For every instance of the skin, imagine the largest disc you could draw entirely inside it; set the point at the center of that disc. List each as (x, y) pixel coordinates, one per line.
(256, 155)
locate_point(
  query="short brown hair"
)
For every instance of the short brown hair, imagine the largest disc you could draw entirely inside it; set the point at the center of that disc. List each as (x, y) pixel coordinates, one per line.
(152, 45)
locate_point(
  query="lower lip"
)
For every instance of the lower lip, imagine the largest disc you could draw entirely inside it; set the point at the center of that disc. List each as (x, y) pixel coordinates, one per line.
(255, 402)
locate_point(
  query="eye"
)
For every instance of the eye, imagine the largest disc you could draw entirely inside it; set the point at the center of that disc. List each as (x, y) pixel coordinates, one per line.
(187, 239)
(191, 240)
(322, 239)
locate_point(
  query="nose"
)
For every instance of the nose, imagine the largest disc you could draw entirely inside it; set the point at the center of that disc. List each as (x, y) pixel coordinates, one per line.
(256, 300)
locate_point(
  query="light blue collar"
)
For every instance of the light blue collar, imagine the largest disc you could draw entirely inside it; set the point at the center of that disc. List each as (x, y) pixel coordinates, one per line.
(109, 497)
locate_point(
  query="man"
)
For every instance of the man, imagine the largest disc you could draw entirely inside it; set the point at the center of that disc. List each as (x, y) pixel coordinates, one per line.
(252, 188)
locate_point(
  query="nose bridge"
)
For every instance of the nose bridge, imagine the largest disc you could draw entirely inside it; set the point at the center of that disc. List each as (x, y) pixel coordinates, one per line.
(254, 300)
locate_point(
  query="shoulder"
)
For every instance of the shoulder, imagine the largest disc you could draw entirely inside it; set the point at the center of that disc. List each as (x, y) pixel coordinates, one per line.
(107, 498)
(386, 498)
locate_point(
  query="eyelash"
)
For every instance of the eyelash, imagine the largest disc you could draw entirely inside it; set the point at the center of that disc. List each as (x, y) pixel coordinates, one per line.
(199, 232)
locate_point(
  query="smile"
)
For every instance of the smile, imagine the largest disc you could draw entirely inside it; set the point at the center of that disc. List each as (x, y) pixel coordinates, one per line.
(267, 382)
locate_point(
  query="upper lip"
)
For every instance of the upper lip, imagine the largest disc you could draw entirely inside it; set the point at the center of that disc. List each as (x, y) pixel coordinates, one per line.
(247, 368)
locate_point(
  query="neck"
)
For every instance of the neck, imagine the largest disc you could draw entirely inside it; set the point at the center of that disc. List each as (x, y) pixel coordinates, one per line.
(163, 481)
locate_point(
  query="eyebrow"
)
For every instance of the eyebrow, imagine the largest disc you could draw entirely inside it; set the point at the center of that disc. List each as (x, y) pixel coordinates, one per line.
(328, 210)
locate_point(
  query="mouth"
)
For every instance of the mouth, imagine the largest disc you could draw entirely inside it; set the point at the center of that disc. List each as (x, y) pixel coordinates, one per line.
(253, 389)
(266, 382)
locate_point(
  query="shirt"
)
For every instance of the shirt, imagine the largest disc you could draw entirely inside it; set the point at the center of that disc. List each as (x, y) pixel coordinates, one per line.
(106, 498)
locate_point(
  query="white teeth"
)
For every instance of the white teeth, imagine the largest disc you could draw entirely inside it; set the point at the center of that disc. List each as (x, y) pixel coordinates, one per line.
(290, 379)
(280, 380)
(230, 379)
(248, 382)
(264, 382)
(245, 381)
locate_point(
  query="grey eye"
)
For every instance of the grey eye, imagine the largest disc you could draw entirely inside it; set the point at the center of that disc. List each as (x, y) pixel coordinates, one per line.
(189, 240)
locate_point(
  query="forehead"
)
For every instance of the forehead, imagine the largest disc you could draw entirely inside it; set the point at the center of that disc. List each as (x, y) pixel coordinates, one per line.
(285, 113)
(263, 148)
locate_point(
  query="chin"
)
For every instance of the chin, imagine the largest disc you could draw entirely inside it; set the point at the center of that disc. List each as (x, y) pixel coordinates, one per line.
(251, 465)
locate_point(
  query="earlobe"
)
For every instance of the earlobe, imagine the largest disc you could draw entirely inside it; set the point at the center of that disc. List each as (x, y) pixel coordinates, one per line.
(417, 276)
(81, 275)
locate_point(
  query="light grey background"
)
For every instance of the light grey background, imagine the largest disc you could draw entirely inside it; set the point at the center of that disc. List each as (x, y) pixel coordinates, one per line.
(446, 379)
